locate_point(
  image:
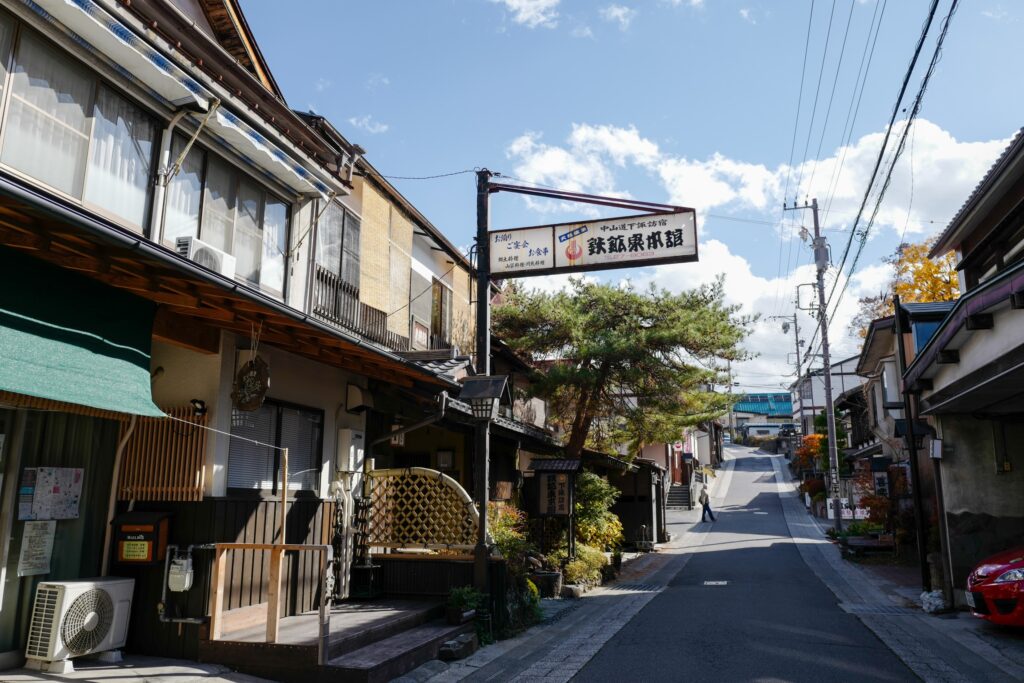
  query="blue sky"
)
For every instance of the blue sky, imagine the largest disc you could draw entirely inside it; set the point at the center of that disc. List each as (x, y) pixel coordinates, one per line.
(684, 101)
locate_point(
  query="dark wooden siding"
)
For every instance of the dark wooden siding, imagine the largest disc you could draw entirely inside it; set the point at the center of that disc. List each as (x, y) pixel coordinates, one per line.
(225, 520)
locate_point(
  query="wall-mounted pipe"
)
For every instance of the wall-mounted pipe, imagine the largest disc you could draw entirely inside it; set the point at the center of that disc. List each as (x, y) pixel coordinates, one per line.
(112, 498)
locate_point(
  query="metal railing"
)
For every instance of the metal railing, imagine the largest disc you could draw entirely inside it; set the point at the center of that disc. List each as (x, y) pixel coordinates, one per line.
(337, 302)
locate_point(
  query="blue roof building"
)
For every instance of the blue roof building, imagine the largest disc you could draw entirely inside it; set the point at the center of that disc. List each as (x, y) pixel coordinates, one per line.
(771, 405)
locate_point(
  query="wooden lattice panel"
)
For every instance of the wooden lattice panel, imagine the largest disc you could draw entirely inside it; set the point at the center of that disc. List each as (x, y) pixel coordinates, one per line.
(164, 458)
(420, 508)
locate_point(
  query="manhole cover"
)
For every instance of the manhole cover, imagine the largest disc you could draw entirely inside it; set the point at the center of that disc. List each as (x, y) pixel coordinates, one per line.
(868, 608)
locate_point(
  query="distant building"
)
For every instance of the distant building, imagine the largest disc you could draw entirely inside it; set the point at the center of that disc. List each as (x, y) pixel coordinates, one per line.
(808, 393)
(774, 407)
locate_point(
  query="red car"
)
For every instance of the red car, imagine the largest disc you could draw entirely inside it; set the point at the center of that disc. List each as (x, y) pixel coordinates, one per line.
(995, 589)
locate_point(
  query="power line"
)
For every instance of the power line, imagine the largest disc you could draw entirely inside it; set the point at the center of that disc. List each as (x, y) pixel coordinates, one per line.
(828, 110)
(792, 147)
(429, 177)
(817, 93)
(881, 152)
(885, 141)
(855, 99)
(915, 110)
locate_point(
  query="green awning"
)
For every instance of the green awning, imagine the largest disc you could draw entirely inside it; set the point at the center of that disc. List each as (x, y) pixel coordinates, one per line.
(66, 337)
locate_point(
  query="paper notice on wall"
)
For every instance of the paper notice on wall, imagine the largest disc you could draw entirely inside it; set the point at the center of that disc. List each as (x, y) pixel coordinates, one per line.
(50, 493)
(36, 548)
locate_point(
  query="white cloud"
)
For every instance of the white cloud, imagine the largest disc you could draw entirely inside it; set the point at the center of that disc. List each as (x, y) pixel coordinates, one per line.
(618, 14)
(582, 31)
(368, 124)
(533, 13)
(747, 15)
(945, 171)
(691, 3)
(321, 84)
(997, 13)
(376, 81)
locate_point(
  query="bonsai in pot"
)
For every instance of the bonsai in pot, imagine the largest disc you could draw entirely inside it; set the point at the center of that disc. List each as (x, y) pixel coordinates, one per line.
(463, 602)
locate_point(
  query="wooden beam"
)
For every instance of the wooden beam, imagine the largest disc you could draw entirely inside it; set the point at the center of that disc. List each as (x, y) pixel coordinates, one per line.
(185, 332)
(217, 591)
(206, 313)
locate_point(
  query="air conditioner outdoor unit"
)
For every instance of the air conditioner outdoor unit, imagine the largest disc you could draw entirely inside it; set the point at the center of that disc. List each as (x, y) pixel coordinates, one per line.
(207, 256)
(74, 618)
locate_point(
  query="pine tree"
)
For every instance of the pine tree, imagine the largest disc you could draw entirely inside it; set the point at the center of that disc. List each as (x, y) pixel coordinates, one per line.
(622, 366)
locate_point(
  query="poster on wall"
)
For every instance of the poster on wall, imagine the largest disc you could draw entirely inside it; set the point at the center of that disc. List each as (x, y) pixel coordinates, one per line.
(36, 548)
(50, 493)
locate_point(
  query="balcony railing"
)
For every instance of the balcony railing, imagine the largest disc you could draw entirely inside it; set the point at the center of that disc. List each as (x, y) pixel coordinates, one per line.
(337, 302)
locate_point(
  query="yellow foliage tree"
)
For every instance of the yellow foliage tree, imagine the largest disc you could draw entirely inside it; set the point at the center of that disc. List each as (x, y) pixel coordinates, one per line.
(916, 279)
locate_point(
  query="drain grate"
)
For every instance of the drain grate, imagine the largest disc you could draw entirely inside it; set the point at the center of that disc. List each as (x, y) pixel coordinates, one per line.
(868, 608)
(635, 587)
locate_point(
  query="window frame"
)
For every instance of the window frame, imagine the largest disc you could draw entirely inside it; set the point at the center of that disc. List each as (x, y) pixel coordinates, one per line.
(346, 215)
(240, 174)
(274, 493)
(99, 80)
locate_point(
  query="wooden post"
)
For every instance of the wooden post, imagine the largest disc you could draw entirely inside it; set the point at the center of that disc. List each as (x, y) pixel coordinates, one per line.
(323, 642)
(274, 593)
(284, 492)
(217, 591)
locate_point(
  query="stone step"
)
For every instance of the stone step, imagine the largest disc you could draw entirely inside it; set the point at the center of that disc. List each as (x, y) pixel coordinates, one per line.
(386, 659)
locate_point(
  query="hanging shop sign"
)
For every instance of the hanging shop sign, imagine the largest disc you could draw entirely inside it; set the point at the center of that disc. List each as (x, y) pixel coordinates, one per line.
(625, 242)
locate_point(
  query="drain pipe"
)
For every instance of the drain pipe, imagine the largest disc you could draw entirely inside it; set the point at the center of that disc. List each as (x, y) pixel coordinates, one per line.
(166, 170)
(112, 501)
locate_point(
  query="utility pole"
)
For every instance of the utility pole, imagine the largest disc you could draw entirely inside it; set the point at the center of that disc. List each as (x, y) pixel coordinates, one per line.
(796, 342)
(820, 246)
(483, 367)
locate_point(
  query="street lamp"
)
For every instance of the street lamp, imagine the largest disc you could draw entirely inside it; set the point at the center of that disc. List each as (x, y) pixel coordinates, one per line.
(484, 395)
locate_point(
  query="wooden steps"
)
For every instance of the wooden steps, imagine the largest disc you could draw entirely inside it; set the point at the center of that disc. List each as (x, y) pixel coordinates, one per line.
(344, 642)
(393, 656)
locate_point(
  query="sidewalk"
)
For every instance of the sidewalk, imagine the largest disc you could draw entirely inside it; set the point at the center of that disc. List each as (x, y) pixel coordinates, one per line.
(949, 648)
(555, 650)
(135, 669)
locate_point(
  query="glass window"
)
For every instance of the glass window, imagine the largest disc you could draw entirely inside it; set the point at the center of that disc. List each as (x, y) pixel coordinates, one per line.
(121, 158)
(330, 229)
(184, 193)
(219, 205)
(258, 466)
(47, 134)
(275, 245)
(248, 233)
(350, 251)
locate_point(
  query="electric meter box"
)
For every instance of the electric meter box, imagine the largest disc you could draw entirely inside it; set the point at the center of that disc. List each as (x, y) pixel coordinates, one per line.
(140, 537)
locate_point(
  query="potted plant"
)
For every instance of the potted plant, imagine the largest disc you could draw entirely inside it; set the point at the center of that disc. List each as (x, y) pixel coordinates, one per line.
(463, 602)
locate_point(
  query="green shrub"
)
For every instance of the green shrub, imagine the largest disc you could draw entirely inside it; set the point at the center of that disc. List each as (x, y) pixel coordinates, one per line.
(586, 568)
(465, 598)
(596, 525)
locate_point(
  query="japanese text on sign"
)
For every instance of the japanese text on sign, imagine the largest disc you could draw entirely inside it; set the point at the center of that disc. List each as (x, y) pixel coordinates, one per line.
(613, 243)
(554, 494)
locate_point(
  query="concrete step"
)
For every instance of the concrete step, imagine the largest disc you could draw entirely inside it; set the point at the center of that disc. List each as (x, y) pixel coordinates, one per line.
(399, 654)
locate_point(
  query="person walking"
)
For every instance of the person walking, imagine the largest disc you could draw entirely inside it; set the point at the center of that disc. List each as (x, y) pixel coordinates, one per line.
(705, 501)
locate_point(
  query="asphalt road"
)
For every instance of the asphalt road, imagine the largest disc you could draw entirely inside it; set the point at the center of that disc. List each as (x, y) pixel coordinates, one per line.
(772, 619)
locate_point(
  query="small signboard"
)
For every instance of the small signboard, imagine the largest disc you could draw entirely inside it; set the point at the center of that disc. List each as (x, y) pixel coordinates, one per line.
(555, 497)
(36, 548)
(625, 242)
